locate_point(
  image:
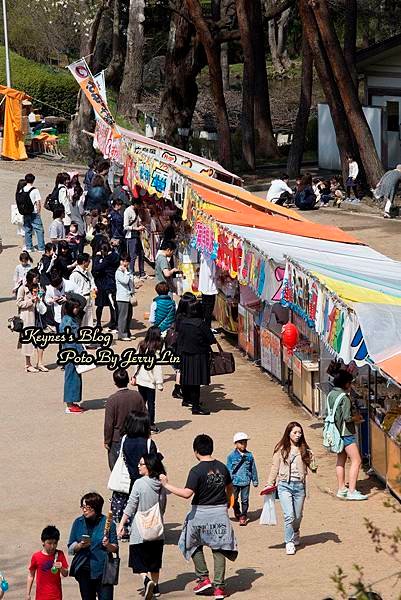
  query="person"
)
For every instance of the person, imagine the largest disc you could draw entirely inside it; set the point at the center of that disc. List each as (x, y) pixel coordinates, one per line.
(124, 292)
(77, 198)
(207, 524)
(163, 270)
(305, 199)
(208, 287)
(55, 298)
(65, 262)
(121, 193)
(61, 193)
(46, 264)
(97, 196)
(279, 191)
(193, 346)
(116, 221)
(100, 236)
(351, 183)
(31, 309)
(105, 265)
(137, 443)
(33, 222)
(25, 265)
(387, 189)
(291, 459)
(90, 173)
(89, 545)
(186, 299)
(145, 557)
(42, 566)
(162, 309)
(73, 239)
(133, 227)
(118, 406)
(83, 283)
(57, 229)
(72, 379)
(345, 423)
(150, 379)
(242, 467)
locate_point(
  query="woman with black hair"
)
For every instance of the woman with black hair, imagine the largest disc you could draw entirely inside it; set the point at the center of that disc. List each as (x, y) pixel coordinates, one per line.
(62, 179)
(76, 196)
(73, 312)
(89, 545)
(136, 442)
(181, 312)
(64, 263)
(305, 198)
(31, 310)
(193, 346)
(105, 265)
(150, 379)
(145, 556)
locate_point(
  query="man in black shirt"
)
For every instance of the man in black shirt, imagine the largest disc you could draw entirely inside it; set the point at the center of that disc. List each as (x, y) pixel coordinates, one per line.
(210, 487)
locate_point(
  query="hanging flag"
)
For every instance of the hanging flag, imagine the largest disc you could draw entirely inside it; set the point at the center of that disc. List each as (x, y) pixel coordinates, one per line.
(84, 77)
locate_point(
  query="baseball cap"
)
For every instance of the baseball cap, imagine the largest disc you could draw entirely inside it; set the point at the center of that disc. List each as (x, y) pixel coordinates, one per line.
(240, 436)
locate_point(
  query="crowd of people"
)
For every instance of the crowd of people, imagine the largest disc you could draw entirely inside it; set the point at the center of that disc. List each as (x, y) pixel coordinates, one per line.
(70, 288)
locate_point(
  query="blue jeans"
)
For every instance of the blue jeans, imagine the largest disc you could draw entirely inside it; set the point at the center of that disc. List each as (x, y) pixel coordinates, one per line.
(243, 491)
(34, 223)
(292, 497)
(135, 249)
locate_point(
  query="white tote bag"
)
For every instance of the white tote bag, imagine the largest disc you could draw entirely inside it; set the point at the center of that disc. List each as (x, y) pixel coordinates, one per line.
(268, 516)
(150, 523)
(120, 480)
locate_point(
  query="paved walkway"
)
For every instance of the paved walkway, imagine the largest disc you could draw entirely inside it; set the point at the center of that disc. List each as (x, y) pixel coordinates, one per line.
(50, 459)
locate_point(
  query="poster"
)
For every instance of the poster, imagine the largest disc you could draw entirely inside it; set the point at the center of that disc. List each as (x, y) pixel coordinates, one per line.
(270, 350)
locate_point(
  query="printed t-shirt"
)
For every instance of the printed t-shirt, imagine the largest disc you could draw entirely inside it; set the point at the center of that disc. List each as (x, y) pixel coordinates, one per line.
(48, 584)
(208, 480)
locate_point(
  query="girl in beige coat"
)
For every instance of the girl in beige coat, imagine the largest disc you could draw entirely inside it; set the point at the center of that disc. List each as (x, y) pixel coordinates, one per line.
(30, 305)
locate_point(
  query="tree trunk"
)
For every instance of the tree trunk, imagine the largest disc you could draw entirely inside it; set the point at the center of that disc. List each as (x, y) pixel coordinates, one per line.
(278, 67)
(114, 71)
(225, 66)
(212, 50)
(343, 136)
(356, 119)
(184, 60)
(266, 144)
(80, 144)
(282, 32)
(350, 33)
(132, 84)
(294, 161)
(103, 47)
(248, 85)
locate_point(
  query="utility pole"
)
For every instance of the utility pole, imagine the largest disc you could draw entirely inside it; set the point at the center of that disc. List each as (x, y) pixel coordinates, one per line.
(8, 71)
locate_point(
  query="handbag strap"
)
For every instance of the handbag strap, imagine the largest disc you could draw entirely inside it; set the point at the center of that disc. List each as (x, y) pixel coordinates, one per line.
(239, 465)
(331, 413)
(219, 347)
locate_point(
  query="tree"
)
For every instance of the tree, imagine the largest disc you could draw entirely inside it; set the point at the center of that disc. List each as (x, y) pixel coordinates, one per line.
(278, 30)
(298, 141)
(350, 33)
(355, 117)
(115, 69)
(132, 83)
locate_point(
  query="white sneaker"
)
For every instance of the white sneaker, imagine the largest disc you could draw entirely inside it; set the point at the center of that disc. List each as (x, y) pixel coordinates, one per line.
(355, 495)
(290, 548)
(342, 493)
(297, 538)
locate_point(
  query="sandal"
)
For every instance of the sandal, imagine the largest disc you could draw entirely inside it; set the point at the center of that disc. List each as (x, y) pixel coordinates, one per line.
(42, 368)
(31, 369)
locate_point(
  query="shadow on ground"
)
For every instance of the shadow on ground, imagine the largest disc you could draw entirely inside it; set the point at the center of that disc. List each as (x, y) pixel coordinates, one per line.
(313, 540)
(174, 425)
(95, 404)
(216, 400)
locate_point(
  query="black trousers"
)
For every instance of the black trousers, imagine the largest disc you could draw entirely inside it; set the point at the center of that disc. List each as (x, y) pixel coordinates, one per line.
(149, 397)
(92, 589)
(208, 302)
(191, 394)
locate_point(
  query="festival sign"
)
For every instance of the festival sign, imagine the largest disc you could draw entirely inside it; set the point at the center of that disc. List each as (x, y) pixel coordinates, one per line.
(82, 74)
(105, 141)
(270, 352)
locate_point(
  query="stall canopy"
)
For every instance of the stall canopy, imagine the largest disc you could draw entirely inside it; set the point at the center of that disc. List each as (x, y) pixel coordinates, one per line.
(13, 137)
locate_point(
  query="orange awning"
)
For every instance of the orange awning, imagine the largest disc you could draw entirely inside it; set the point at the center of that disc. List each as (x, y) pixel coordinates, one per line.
(392, 367)
(13, 138)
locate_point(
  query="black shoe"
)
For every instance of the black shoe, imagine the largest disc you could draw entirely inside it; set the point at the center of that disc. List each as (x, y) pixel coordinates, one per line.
(154, 429)
(177, 394)
(200, 411)
(149, 588)
(156, 591)
(185, 403)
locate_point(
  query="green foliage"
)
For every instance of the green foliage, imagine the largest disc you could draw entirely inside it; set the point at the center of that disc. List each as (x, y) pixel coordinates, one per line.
(52, 86)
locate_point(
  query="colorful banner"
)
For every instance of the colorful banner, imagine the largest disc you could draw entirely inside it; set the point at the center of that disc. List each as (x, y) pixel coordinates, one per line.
(86, 81)
(110, 146)
(270, 352)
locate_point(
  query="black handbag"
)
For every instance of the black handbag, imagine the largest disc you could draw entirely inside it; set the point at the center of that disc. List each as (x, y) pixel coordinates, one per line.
(221, 363)
(170, 340)
(111, 569)
(15, 324)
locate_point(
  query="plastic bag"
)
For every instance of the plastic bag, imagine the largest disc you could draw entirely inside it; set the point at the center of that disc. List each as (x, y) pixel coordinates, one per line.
(268, 516)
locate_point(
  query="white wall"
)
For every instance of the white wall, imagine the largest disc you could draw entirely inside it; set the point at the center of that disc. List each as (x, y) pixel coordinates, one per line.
(329, 157)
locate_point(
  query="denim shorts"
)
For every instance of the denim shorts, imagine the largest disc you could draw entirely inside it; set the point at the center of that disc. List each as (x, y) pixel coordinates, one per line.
(349, 439)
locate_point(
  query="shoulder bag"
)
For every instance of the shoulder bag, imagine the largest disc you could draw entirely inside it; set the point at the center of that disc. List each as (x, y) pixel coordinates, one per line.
(120, 480)
(111, 569)
(150, 523)
(221, 363)
(170, 341)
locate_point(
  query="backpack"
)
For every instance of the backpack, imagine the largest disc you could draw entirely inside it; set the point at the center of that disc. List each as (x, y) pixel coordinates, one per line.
(52, 201)
(24, 202)
(332, 439)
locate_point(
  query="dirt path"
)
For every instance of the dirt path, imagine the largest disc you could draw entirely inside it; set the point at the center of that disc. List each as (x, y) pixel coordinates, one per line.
(50, 459)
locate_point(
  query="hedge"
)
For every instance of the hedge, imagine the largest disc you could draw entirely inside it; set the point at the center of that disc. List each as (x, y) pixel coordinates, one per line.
(54, 86)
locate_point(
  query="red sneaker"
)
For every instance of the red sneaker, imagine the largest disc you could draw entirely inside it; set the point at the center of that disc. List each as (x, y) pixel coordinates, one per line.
(220, 594)
(243, 521)
(202, 585)
(74, 409)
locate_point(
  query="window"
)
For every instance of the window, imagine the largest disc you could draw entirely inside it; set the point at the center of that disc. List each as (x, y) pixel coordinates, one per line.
(393, 116)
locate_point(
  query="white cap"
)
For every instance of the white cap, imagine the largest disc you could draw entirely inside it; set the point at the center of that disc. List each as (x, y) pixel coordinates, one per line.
(238, 437)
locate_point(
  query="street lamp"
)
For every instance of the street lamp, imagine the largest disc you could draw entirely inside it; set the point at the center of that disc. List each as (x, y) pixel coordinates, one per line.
(8, 72)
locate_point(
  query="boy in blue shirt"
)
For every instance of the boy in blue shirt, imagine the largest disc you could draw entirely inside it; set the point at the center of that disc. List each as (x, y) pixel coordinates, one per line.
(242, 468)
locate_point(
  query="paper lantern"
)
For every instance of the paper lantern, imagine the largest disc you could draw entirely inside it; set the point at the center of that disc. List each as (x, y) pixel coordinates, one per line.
(289, 336)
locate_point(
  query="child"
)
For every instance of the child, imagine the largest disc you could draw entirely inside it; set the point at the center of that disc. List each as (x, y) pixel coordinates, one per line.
(43, 564)
(74, 239)
(57, 229)
(162, 309)
(46, 264)
(21, 270)
(242, 467)
(147, 381)
(124, 291)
